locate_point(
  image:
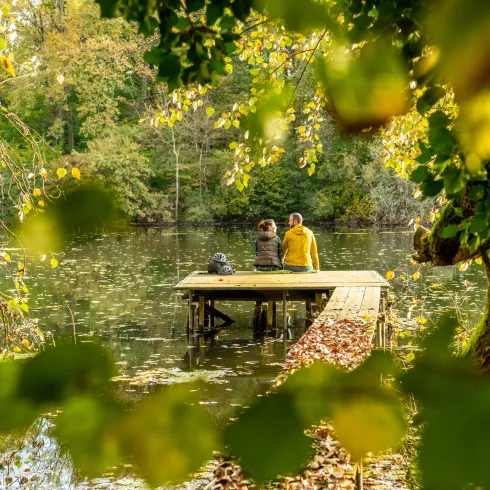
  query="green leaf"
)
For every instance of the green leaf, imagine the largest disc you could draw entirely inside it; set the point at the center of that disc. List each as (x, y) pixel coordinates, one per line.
(474, 243)
(90, 428)
(419, 174)
(450, 231)
(229, 69)
(86, 368)
(478, 224)
(430, 97)
(214, 11)
(439, 120)
(269, 438)
(441, 140)
(239, 185)
(108, 8)
(431, 188)
(477, 192)
(210, 111)
(454, 180)
(193, 5)
(298, 16)
(426, 153)
(311, 169)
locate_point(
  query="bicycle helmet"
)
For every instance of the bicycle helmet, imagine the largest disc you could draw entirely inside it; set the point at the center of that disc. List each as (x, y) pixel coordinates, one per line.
(225, 270)
(219, 257)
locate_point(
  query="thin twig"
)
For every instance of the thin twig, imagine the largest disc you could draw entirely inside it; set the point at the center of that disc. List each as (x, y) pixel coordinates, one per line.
(304, 68)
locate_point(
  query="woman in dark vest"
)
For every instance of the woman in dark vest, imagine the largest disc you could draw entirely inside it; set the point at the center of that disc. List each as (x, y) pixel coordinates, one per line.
(268, 247)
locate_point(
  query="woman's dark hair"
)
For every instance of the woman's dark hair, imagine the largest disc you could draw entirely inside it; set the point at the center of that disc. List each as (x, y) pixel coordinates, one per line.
(265, 224)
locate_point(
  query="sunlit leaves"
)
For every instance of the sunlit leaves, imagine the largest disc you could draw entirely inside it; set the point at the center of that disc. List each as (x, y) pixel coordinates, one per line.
(210, 111)
(6, 64)
(61, 172)
(54, 263)
(75, 172)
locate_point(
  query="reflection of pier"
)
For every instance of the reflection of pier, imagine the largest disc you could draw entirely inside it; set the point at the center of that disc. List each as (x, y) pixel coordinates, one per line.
(315, 289)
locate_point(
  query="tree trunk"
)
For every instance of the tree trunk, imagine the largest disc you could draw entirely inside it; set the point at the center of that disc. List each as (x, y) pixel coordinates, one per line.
(176, 153)
(431, 247)
(71, 138)
(479, 344)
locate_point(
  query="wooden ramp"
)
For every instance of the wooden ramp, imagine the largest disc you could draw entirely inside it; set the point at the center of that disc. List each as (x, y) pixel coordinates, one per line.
(355, 303)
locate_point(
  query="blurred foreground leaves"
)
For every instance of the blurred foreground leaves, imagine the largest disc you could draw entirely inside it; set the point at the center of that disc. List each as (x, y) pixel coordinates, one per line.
(81, 210)
(170, 435)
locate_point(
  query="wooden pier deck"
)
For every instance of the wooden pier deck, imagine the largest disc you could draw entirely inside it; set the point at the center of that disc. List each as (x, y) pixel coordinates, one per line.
(271, 287)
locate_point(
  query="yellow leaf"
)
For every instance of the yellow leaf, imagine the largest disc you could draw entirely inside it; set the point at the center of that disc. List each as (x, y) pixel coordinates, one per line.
(462, 266)
(210, 111)
(36, 192)
(60, 78)
(40, 204)
(61, 172)
(416, 275)
(54, 263)
(7, 65)
(479, 261)
(6, 257)
(75, 173)
(390, 275)
(26, 342)
(229, 69)
(236, 123)
(17, 349)
(25, 289)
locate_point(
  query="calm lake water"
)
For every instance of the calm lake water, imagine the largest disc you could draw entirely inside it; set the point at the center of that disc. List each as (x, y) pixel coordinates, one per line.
(119, 288)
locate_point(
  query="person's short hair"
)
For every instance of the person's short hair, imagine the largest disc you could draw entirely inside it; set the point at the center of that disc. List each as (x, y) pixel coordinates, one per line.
(265, 224)
(297, 217)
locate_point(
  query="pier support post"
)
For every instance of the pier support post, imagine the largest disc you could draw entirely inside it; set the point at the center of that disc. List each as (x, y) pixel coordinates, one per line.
(270, 315)
(190, 319)
(284, 314)
(211, 313)
(309, 314)
(201, 314)
(318, 301)
(257, 314)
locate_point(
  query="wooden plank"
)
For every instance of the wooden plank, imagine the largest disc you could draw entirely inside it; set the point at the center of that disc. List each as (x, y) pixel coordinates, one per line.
(248, 280)
(337, 300)
(371, 299)
(354, 299)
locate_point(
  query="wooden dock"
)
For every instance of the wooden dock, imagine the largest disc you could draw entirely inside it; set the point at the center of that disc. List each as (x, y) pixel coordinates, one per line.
(359, 289)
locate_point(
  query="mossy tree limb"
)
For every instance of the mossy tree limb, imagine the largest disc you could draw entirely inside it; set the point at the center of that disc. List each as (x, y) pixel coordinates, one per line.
(479, 344)
(438, 250)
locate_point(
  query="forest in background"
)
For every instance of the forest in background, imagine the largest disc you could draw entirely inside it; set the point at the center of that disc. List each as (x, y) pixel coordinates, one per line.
(83, 86)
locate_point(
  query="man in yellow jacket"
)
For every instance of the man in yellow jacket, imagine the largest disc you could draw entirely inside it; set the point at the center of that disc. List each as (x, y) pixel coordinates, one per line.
(300, 245)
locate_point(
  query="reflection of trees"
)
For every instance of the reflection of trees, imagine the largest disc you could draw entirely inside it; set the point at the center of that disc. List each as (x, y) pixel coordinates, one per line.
(34, 459)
